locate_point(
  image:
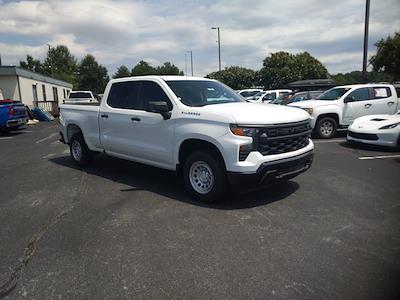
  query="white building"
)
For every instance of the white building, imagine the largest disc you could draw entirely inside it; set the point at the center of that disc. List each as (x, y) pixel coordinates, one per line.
(31, 88)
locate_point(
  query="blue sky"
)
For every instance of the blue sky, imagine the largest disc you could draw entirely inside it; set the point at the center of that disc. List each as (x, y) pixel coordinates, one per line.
(125, 32)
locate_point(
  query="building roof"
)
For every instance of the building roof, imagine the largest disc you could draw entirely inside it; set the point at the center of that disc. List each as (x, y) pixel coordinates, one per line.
(17, 71)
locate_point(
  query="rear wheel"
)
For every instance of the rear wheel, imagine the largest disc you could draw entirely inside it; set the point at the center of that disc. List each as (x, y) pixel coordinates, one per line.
(204, 177)
(80, 152)
(326, 127)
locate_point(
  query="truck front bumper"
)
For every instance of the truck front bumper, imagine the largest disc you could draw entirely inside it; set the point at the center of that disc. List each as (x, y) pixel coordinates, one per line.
(273, 171)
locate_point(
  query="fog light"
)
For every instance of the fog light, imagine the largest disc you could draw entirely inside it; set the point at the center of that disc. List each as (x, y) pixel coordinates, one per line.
(244, 151)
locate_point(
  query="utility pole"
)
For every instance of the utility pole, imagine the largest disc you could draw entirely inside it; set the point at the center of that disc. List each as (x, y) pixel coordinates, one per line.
(51, 65)
(191, 60)
(366, 28)
(219, 47)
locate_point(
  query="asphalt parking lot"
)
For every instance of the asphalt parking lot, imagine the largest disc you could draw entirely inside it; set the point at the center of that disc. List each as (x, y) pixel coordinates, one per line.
(123, 230)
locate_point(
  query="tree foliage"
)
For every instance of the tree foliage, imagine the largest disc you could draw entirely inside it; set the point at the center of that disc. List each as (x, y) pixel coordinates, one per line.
(355, 77)
(143, 68)
(91, 75)
(60, 63)
(235, 77)
(32, 64)
(282, 67)
(122, 71)
(168, 69)
(387, 57)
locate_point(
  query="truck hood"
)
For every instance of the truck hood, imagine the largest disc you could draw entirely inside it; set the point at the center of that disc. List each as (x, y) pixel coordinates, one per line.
(258, 113)
(312, 103)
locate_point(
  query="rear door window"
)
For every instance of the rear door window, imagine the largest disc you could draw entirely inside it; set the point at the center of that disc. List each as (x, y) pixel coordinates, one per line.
(381, 92)
(124, 95)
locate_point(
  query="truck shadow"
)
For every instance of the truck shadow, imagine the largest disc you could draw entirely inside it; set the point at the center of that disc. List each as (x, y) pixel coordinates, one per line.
(165, 183)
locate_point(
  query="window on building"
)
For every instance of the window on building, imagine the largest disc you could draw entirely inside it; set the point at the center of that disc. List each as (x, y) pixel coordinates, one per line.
(44, 92)
(34, 92)
(55, 94)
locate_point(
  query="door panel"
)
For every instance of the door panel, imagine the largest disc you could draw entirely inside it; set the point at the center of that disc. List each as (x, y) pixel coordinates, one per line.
(127, 129)
(360, 106)
(384, 101)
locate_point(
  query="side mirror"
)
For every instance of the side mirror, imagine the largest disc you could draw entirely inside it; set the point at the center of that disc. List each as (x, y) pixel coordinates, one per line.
(160, 107)
(348, 99)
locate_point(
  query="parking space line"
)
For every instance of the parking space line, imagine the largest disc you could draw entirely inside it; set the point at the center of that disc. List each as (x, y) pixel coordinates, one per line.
(6, 138)
(379, 157)
(46, 138)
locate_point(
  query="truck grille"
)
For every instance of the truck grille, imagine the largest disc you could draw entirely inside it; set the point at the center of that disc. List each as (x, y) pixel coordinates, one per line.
(276, 139)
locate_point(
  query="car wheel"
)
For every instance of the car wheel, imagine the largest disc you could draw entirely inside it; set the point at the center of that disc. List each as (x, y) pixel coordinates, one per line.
(80, 152)
(326, 128)
(205, 177)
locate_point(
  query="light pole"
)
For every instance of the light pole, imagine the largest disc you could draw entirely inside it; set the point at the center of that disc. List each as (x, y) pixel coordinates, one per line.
(191, 60)
(219, 47)
(365, 56)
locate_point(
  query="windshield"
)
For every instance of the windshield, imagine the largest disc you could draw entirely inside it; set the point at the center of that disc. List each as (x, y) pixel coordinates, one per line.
(333, 94)
(203, 92)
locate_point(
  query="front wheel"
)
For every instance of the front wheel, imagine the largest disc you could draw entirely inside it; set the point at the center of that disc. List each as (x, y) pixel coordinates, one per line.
(80, 152)
(326, 128)
(204, 177)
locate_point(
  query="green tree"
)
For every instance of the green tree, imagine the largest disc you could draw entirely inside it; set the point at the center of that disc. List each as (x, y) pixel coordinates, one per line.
(357, 77)
(235, 77)
(387, 57)
(60, 63)
(168, 69)
(122, 71)
(282, 67)
(91, 75)
(32, 64)
(143, 68)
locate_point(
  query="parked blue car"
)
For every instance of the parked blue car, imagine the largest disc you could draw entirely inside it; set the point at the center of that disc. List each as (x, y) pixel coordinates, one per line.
(13, 115)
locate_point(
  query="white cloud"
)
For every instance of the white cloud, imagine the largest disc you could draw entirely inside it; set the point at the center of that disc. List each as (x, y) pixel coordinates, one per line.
(124, 31)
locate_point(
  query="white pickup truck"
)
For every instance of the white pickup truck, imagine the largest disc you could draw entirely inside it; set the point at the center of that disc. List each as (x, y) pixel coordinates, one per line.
(198, 127)
(80, 97)
(338, 107)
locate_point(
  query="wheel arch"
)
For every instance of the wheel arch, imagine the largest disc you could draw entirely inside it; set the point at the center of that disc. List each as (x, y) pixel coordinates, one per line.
(335, 116)
(71, 130)
(190, 145)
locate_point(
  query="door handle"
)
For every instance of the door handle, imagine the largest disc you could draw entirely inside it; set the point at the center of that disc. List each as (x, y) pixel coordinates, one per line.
(367, 105)
(390, 103)
(104, 116)
(135, 119)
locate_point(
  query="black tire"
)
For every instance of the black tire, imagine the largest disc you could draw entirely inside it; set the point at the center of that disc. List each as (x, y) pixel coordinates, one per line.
(326, 128)
(212, 189)
(80, 152)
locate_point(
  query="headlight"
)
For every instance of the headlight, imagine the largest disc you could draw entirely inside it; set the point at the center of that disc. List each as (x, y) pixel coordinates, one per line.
(243, 131)
(390, 126)
(309, 110)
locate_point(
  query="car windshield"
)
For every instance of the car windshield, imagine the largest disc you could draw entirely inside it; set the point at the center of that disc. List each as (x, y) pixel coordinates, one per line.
(203, 92)
(333, 94)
